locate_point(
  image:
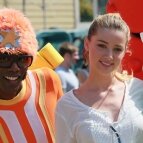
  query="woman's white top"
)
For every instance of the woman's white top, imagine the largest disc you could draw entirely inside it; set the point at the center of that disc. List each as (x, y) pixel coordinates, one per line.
(79, 123)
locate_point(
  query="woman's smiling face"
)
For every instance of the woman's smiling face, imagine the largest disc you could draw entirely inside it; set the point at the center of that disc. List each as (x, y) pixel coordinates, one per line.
(106, 50)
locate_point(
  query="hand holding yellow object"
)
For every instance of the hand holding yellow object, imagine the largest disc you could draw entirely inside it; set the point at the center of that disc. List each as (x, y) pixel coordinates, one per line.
(47, 57)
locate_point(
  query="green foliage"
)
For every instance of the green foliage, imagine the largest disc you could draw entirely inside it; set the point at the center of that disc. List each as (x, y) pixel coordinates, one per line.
(86, 10)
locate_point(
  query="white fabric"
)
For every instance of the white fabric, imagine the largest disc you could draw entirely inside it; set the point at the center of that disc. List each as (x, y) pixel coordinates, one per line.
(136, 87)
(79, 123)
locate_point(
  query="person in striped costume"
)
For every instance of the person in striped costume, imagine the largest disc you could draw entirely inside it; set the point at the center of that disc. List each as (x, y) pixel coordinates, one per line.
(27, 97)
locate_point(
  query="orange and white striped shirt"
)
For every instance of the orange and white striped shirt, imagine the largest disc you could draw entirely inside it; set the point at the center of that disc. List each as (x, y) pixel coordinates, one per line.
(29, 117)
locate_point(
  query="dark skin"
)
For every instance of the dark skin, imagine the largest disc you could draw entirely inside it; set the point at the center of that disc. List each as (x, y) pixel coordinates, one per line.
(11, 81)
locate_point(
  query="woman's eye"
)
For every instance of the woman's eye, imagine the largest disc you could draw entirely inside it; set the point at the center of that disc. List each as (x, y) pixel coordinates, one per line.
(118, 50)
(101, 45)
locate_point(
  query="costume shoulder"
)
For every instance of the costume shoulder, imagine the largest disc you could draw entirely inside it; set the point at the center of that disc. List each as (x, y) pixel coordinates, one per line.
(52, 81)
(47, 73)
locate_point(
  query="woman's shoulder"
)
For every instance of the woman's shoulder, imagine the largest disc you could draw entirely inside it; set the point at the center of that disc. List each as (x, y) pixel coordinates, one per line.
(135, 90)
(67, 104)
(66, 99)
(135, 84)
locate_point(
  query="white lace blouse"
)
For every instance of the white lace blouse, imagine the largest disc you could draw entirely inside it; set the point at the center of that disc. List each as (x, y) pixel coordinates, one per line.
(79, 123)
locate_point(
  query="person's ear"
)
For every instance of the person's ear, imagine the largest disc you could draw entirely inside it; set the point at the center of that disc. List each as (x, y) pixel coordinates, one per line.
(86, 44)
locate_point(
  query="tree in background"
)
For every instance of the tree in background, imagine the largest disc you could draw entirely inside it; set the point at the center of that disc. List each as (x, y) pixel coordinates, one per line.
(86, 10)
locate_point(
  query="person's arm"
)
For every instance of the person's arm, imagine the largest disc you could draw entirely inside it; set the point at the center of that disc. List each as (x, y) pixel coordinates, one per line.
(82, 75)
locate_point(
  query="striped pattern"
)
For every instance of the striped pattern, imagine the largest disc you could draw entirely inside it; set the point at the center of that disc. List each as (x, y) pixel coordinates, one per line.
(30, 116)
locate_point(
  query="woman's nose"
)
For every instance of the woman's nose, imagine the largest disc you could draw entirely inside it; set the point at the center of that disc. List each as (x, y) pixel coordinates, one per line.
(109, 53)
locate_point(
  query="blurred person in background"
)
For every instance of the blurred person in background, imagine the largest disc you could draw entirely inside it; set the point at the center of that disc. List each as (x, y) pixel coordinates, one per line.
(68, 77)
(83, 72)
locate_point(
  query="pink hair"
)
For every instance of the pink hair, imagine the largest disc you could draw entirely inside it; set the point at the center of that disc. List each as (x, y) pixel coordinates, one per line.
(14, 19)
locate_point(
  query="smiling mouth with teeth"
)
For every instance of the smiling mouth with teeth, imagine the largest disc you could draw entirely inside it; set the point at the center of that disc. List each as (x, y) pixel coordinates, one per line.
(11, 78)
(107, 64)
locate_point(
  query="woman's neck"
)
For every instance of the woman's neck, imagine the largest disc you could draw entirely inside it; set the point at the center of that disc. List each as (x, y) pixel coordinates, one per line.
(101, 82)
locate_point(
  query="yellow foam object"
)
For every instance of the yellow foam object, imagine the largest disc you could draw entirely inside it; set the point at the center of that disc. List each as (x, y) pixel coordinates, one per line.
(47, 57)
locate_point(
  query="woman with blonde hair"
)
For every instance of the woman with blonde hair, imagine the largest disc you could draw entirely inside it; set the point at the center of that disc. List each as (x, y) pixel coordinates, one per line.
(100, 110)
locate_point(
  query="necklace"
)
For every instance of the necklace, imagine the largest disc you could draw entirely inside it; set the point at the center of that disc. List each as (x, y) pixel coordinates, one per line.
(103, 99)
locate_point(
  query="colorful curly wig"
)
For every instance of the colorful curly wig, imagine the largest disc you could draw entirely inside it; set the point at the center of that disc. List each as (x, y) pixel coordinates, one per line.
(16, 33)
